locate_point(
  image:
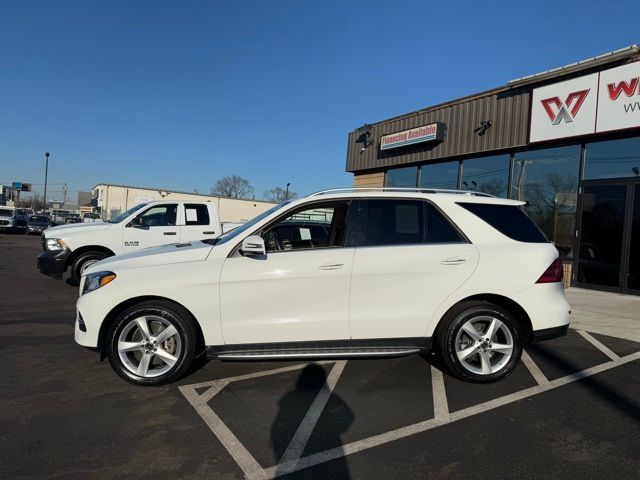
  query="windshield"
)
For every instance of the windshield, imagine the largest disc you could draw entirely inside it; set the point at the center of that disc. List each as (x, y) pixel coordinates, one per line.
(124, 215)
(5, 212)
(38, 219)
(245, 226)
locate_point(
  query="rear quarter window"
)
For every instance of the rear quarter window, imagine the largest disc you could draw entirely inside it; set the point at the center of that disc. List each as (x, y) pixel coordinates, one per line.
(510, 220)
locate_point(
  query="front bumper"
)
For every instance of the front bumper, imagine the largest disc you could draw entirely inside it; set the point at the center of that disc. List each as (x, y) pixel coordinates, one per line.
(53, 264)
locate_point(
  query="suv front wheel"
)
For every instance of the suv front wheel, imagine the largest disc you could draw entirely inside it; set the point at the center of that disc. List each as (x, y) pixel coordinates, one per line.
(152, 343)
(480, 342)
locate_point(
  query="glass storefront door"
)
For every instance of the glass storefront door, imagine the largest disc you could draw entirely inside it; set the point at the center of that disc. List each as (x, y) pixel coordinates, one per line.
(609, 235)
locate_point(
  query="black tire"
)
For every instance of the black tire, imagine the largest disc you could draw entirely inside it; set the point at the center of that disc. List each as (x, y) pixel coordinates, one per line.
(78, 263)
(171, 313)
(453, 322)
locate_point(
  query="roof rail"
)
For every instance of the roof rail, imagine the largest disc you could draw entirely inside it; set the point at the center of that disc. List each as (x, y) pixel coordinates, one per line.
(399, 189)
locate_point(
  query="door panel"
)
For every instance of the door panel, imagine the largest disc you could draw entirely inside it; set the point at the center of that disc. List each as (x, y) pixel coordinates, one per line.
(286, 296)
(633, 276)
(154, 226)
(602, 234)
(396, 289)
(199, 222)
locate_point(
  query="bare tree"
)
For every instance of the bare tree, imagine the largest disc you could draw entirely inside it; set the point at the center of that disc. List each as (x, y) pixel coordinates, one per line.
(232, 186)
(279, 194)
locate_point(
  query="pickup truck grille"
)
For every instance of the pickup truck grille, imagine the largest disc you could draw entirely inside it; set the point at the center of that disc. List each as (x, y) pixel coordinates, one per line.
(4, 222)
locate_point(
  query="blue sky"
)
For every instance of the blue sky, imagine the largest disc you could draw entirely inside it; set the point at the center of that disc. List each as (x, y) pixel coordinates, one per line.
(177, 94)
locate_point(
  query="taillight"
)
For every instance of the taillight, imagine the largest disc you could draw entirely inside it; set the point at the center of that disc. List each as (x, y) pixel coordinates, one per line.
(553, 273)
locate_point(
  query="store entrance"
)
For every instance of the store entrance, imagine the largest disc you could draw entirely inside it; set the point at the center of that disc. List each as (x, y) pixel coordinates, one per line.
(609, 236)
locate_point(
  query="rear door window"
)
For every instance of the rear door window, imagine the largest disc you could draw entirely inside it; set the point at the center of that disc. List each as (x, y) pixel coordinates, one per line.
(196, 214)
(510, 220)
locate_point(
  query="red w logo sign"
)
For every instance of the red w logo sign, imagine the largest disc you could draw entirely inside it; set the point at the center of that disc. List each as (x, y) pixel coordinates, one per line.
(559, 111)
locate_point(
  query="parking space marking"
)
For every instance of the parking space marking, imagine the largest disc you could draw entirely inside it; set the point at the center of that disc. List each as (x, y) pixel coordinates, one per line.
(301, 437)
(599, 345)
(254, 471)
(533, 368)
(440, 402)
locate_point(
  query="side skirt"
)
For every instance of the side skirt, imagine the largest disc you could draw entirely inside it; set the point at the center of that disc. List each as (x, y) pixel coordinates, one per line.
(387, 347)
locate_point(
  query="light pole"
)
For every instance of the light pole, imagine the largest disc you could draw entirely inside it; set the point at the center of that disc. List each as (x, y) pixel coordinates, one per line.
(46, 173)
(286, 193)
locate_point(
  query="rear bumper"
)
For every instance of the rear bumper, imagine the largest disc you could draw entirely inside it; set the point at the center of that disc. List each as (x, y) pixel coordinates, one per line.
(53, 264)
(549, 333)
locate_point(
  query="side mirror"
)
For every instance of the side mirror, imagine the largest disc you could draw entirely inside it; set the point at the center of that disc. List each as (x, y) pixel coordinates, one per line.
(253, 246)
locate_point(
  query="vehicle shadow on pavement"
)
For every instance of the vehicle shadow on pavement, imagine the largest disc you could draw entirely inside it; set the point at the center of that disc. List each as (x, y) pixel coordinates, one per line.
(309, 382)
(629, 407)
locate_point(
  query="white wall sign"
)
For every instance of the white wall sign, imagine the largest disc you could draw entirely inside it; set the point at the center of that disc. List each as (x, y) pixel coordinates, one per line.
(143, 199)
(426, 133)
(600, 102)
(619, 98)
(564, 109)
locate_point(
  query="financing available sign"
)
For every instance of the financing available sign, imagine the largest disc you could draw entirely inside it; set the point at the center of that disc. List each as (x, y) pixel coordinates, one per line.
(600, 102)
(426, 133)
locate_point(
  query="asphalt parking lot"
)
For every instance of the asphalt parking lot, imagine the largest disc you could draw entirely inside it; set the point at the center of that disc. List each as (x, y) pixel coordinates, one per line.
(571, 408)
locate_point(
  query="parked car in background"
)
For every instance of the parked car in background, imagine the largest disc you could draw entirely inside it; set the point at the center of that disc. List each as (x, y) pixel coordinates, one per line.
(90, 217)
(76, 247)
(355, 273)
(8, 219)
(37, 224)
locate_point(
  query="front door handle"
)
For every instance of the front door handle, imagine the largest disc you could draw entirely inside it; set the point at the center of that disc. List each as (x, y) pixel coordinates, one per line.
(169, 233)
(209, 233)
(453, 261)
(331, 266)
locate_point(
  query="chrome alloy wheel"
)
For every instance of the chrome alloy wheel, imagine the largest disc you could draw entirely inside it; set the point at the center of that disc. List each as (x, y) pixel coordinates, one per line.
(149, 346)
(484, 345)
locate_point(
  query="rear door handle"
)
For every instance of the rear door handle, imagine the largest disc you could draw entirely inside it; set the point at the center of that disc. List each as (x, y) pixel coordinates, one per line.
(170, 233)
(331, 266)
(453, 261)
(209, 233)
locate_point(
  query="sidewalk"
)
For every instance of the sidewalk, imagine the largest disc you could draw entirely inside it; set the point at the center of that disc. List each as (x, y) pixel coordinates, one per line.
(606, 313)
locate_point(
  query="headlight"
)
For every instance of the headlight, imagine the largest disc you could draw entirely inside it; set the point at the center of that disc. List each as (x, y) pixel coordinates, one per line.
(55, 244)
(93, 281)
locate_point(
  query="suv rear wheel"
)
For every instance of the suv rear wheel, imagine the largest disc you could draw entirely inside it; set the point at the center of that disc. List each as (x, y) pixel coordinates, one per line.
(152, 343)
(480, 342)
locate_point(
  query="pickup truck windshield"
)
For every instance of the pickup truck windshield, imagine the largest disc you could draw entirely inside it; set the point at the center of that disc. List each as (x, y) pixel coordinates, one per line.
(124, 215)
(245, 226)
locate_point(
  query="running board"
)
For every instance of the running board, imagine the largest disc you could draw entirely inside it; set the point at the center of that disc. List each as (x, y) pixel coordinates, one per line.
(317, 353)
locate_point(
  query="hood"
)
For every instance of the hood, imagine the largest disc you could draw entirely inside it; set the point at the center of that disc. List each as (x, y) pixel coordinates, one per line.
(71, 228)
(162, 255)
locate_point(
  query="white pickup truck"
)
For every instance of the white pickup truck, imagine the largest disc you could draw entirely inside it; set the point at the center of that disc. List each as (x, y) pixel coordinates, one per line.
(77, 246)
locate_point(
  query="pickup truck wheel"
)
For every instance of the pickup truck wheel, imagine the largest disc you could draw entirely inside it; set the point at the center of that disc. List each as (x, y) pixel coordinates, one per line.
(480, 342)
(83, 262)
(152, 343)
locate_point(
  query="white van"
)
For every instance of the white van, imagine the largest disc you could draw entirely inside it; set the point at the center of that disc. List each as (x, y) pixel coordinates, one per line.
(80, 245)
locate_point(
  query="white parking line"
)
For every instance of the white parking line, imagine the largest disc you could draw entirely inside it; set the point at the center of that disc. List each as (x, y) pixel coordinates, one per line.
(440, 403)
(533, 368)
(603, 348)
(301, 437)
(292, 460)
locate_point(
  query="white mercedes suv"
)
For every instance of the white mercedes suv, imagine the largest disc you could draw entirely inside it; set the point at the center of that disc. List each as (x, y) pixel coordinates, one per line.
(340, 273)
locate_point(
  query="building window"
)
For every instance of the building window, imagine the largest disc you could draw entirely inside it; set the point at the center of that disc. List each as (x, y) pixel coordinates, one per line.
(612, 159)
(548, 181)
(402, 177)
(439, 175)
(487, 174)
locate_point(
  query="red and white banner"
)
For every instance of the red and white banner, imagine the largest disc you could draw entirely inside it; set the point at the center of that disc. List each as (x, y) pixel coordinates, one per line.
(619, 98)
(599, 102)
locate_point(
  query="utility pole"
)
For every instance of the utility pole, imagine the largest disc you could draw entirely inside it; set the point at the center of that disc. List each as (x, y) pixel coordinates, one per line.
(286, 193)
(46, 172)
(64, 192)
